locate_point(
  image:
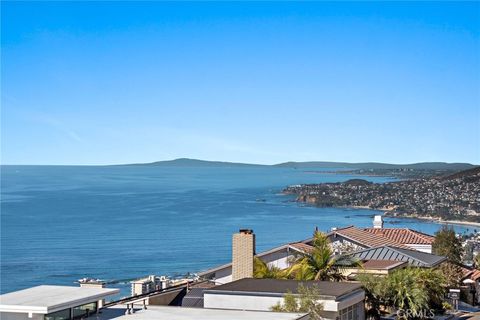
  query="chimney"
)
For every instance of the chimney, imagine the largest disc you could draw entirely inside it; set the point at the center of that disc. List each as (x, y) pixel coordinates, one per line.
(243, 250)
(378, 222)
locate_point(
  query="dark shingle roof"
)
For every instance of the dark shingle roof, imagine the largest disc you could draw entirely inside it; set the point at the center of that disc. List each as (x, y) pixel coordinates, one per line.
(275, 286)
(413, 257)
(194, 298)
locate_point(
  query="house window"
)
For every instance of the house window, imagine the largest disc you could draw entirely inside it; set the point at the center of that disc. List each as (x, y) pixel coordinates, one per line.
(85, 310)
(349, 313)
(59, 315)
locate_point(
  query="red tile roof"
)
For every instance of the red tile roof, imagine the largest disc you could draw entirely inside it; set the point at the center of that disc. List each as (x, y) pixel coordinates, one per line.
(473, 274)
(365, 238)
(402, 235)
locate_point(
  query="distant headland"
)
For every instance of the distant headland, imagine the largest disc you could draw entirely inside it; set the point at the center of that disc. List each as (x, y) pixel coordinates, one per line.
(186, 162)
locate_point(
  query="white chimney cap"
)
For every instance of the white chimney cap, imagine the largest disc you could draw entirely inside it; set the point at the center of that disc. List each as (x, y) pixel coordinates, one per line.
(378, 222)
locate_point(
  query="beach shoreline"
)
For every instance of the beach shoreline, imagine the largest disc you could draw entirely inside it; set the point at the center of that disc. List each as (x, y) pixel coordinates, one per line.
(387, 214)
(434, 220)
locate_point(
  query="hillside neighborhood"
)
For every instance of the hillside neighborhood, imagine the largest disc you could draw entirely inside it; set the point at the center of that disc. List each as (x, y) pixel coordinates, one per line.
(347, 273)
(454, 197)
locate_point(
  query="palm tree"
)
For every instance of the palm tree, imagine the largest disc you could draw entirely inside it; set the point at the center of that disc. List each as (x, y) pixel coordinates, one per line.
(412, 289)
(406, 291)
(435, 282)
(263, 271)
(320, 263)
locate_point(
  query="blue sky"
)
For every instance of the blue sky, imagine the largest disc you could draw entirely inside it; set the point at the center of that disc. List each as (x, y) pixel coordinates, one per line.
(120, 82)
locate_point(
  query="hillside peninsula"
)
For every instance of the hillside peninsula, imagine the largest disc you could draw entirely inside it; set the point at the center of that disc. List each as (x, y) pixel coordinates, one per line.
(453, 197)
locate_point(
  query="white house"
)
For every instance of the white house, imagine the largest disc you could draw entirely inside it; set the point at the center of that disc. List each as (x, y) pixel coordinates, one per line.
(343, 240)
(340, 300)
(280, 257)
(53, 302)
(351, 239)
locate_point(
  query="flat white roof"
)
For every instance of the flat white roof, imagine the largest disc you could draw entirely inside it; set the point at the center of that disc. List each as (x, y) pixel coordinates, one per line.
(182, 313)
(45, 299)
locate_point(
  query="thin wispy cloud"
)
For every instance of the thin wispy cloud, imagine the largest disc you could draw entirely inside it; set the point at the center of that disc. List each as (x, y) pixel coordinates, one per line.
(62, 127)
(58, 125)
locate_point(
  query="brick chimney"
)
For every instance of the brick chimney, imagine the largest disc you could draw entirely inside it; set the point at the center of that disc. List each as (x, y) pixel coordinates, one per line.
(378, 222)
(243, 250)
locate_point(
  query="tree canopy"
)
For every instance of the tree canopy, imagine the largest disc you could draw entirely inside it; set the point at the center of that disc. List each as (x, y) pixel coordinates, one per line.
(447, 244)
(413, 289)
(264, 271)
(305, 301)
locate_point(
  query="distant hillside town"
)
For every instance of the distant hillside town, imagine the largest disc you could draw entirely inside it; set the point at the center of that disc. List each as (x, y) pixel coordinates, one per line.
(451, 197)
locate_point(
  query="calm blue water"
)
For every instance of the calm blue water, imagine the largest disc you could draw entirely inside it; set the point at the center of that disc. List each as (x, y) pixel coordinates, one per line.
(62, 223)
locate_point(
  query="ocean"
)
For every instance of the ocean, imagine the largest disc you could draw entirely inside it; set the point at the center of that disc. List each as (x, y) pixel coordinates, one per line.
(118, 223)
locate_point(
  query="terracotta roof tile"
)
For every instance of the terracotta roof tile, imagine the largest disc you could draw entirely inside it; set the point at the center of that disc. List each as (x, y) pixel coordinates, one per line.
(475, 275)
(402, 235)
(366, 238)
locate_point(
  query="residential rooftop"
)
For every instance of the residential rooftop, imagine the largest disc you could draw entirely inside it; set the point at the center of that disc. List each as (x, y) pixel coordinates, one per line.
(374, 237)
(276, 286)
(46, 299)
(382, 264)
(403, 235)
(180, 313)
(364, 237)
(413, 257)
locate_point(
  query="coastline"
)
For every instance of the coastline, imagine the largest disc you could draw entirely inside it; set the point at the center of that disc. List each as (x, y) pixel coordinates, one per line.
(415, 217)
(387, 214)
(435, 220)
(465, 223)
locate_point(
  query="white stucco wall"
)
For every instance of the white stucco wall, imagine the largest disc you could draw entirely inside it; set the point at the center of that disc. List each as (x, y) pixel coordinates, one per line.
(264, 303)
(280, 259)
(281, 263)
